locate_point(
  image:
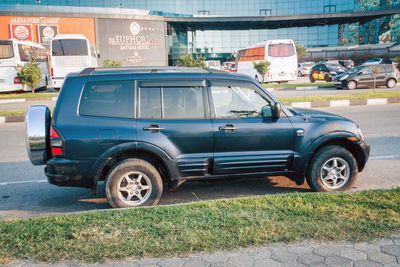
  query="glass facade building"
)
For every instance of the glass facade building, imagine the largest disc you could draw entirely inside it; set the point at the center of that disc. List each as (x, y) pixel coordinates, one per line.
(222, 41)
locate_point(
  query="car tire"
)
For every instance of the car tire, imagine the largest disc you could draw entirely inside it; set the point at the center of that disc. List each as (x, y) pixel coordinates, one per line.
(133, 183)
(332, 168)
(391, 83)
(312, 79)
(299, 74)
(351, 85)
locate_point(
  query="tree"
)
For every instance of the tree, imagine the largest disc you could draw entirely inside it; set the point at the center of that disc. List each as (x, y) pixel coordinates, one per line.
(397, 60)
(301, 50)
(262, 68)
(29, 74)
(189, 61)
(375, 71)
(111, 63)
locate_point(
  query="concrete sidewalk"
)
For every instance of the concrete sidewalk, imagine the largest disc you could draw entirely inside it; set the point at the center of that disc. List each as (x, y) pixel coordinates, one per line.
(383, 252)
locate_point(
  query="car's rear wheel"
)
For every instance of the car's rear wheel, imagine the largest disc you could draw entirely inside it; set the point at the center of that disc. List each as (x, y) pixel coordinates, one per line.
(333, 168)
(299, 74)
(312, 79)
(391, 83)
(351, 85)
(133, 183)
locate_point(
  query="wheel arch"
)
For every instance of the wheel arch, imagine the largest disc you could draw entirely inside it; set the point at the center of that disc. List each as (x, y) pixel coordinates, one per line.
(158, 158)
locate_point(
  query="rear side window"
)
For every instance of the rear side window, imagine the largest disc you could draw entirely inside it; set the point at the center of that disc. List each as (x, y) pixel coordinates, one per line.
(108, 99)
(171, 102)
(69, 47)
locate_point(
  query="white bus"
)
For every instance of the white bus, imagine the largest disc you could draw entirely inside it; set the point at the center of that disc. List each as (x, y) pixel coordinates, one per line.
(280, 53)
(69, 53)
(13, 53)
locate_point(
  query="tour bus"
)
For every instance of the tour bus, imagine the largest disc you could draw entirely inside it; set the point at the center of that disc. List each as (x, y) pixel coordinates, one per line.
(69, 53)
(280, 53)
(13, 53)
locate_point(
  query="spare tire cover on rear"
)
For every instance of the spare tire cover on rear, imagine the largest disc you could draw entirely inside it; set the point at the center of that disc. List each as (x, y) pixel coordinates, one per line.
(37, 122)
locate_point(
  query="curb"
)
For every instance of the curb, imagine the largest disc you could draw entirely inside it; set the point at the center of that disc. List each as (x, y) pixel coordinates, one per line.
(317, 104)
(22, 100)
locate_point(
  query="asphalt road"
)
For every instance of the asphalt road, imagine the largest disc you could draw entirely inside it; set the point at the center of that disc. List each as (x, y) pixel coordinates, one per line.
(24, 191)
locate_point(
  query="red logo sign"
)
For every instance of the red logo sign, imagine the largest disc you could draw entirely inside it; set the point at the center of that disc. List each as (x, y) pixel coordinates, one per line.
(21, 32)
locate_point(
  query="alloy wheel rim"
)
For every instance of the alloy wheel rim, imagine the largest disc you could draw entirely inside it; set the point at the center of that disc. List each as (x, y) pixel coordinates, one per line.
(335, 173)
(391, 83)
(134, 188)
(352, 85)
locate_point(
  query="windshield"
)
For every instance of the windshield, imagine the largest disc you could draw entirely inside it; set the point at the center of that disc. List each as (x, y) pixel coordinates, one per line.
(335, 67)
(281, 50)
(69, 47)
(353, 70)
(6, 50)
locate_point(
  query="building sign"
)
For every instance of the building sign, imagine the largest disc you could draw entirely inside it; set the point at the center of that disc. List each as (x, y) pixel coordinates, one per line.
(46, 33)
(133, 42)
(21, 32)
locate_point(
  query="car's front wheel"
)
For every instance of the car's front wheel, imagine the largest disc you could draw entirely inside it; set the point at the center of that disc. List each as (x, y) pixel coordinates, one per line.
(333, 168)
(133, 183)
(351, 85)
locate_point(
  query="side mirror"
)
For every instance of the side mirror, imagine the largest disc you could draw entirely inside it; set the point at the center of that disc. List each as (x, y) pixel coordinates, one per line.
(276, 110)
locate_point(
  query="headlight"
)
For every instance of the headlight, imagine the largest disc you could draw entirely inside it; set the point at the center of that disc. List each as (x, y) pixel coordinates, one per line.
(360, 134)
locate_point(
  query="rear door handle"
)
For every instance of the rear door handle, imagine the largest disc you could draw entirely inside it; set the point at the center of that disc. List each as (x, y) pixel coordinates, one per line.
(228, 127)
(153, 128)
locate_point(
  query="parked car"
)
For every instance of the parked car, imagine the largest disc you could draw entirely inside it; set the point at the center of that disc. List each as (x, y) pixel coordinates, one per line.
(325, 72)
(213, 64)
(347, 63)
(229, 66)
(374, 61)
(304, 68)
(139, 129)
(363, 75)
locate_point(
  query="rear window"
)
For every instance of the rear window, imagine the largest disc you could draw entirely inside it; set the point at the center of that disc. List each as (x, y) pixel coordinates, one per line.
(6, 50)
(281, 50)
(108, 99)
(69, 47)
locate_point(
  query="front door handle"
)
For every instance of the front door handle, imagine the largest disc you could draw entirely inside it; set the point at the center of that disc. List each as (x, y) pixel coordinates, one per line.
(153, 128)
(228, 127)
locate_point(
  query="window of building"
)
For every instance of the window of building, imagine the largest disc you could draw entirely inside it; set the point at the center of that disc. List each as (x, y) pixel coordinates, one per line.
(171, 102)
(203, 12)
(265, 12)
(329, 8)
(108, 99)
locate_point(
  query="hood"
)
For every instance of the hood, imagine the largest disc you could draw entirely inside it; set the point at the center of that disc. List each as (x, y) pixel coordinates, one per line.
(316, 114)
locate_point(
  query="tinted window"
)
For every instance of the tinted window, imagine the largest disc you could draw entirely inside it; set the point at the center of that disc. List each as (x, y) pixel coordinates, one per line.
(108, 99)
(281, 50)
(178, 102)
(69, 47)
(378, 69)
(6, 50)
(237, 100)
(389, 68)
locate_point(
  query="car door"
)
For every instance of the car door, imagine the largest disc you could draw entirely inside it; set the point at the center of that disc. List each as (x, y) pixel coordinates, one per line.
(365, 76)
(315, 72)
(380, 74)
(244, 141)
(172, 116)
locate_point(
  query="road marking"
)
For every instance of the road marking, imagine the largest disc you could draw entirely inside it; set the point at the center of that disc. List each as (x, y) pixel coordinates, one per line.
(23, 182)
(385, 157)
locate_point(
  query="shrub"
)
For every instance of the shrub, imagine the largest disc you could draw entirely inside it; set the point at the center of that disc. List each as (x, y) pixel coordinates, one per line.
(111, 63)
(262, 67)
(29, 74)
(301, 50)
(189, 61)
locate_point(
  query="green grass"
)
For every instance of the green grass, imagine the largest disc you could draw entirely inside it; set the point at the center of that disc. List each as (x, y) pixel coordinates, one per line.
(366, 95)
(202, 226)
(27, 95)
(15, 112)
(289, 85)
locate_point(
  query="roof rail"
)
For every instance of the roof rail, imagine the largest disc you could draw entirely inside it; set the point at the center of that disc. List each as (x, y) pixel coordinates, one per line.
(89, 71)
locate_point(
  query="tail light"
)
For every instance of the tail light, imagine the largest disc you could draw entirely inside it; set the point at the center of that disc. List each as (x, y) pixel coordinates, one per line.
(17, 80)
(52, 72)
(56, 143)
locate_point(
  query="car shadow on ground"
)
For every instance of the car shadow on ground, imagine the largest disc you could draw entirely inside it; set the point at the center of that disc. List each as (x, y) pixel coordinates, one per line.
(36, 197)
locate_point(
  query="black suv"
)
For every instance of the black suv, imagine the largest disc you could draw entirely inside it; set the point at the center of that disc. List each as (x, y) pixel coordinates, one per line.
(385, 75)
(138, 128)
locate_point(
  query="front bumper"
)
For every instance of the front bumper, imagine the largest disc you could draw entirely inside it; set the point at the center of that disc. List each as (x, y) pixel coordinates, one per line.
(363, 158)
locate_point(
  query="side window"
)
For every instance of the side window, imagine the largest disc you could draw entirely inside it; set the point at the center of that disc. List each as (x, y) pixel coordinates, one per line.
(237, 100)
(171, 102)
(108, 99)
(367, 70)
